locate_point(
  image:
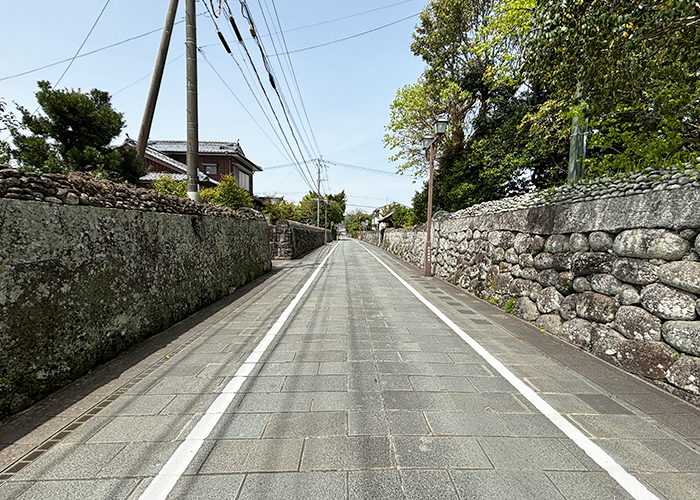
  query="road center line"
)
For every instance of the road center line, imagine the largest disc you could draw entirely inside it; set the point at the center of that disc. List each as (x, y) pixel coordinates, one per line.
(630, 483)
(164, 482)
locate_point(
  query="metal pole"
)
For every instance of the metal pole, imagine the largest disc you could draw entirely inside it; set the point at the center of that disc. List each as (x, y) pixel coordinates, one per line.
(318, 197)
(156, 79)
(192, 112)
(427, 261)
(325, 225)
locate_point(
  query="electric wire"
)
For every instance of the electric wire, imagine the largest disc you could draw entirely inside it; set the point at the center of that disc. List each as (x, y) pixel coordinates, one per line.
(82, 44)
(347, 37)
(294, 76)
(245, 10)
(306, 179)
(286, 81)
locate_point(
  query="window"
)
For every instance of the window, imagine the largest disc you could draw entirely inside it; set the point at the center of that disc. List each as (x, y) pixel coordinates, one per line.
(243, 179)
(210, 169)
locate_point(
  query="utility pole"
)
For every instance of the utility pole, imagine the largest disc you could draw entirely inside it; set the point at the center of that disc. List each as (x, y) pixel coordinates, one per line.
(318, 197)
(192, 112)
(156, 79)
(325, 225)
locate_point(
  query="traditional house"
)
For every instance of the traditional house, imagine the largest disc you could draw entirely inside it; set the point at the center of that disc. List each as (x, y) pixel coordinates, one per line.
(216, 159)
(156, 164)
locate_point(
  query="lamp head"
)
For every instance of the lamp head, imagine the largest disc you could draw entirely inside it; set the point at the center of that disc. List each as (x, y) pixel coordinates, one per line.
(440, 126)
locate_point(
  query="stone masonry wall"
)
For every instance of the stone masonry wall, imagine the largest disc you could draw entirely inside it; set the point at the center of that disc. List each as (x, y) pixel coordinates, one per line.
(89, 268)
(611, 266)
(291, 240)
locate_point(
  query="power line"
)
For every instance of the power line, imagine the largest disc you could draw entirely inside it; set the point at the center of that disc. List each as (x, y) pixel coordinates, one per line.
(82, 44)
(347, 37)
(158, 30)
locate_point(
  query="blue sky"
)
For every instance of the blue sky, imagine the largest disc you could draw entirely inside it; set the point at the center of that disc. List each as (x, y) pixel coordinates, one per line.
(346, 87)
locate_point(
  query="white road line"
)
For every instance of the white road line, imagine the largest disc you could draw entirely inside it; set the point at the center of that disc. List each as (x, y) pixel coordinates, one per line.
(630, 483)
(164, 482)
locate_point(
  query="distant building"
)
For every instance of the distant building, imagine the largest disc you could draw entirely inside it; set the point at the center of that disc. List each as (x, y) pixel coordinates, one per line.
(216, 159)
(156, 164)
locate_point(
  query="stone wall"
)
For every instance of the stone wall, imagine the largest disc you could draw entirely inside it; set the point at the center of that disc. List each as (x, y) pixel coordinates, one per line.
(291, 240)
(611, 266)
(82, 277)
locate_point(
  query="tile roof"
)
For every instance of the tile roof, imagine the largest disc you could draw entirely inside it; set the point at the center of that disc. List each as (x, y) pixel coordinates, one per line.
(204, 147)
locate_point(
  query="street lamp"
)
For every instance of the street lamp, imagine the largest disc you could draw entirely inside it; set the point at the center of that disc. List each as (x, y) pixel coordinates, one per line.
(429, 143)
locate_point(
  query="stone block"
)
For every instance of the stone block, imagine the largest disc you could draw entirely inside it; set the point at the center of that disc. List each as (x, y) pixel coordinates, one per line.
(565, 283)
(578, 243)
(578, 332)
(549, 300)
(567, 310)
(511, 256)
(537, 244)
(548, 277)
(606, 284)
(502, 283)
(635, 271)
(650, 244)
(636, 323)
(684, 275)
(522, 243)
(557, 243)
(685, 374)
(668, 303)
(683, 335)
(586, 263)
(628, 295)
(544, 260)
(600, 241)
(562, 261)
(550, 323)
(530, 273)
(526, 260)
(648, 359)
(526, 309)
(596, 307)
(581, 284)
(502, 239)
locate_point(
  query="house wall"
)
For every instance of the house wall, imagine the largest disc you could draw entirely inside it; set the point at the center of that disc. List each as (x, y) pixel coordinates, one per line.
(611, 266)
(226, 166)
(89, 268)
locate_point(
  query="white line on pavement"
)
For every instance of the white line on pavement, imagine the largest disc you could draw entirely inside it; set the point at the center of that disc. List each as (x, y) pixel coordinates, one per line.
(164, 482)
(630, 483)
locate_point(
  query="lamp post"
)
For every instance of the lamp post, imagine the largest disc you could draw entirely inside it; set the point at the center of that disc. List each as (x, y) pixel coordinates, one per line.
(429, 143)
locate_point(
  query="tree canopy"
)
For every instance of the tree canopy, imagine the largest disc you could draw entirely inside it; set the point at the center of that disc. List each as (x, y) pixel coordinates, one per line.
(508, 74)
(306, 210)
(72, 131)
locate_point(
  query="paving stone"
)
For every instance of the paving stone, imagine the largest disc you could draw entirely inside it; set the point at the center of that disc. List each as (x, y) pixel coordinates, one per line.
(253, 455)
(314, 383)
(619, 427)
(306, 424)
(440, 452)
(674, 485)
(287, 369)
(433, 484)
(347, 453)
(404, 368)
(347, 368)
(537, 453)
(276, 402)
(404, 400)
(530, 425)
(459, 423)
(367, 423)
(144, 429)
(587, 485)
(439, 384)
(499, 402)
(347, 401)
(210, 487)
(384, 484)
(501, 485)
(240, 426)
(407, 423)
(306, 485)
(633, 456)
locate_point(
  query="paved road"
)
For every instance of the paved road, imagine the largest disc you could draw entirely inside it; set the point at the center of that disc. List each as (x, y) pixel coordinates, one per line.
(331, 379)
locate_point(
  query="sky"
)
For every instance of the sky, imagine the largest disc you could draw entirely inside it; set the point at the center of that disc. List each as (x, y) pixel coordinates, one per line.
(337, 93)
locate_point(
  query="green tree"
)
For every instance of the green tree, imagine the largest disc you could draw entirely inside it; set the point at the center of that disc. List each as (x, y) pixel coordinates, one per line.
(354, 222)
(402, 215)
(278, 208)
(227, 194)
(635, 65)
(165, 184)
(72, 133)
(305, 212)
